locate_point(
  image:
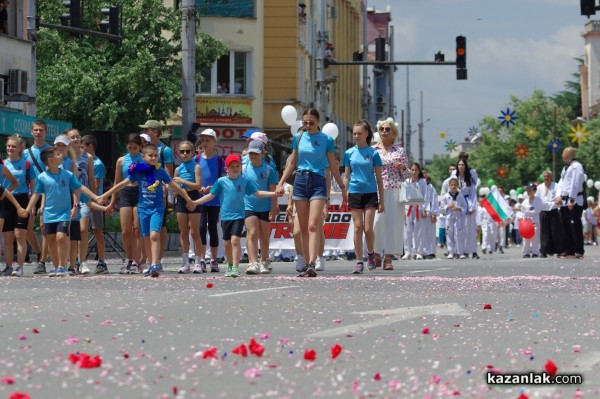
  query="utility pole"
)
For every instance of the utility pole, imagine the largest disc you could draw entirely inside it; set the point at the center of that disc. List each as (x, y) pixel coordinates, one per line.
(322, 38)
(188, 50)
(390, 74)
(421, 134)
(365, 71)
(408, 127)
(31, 107)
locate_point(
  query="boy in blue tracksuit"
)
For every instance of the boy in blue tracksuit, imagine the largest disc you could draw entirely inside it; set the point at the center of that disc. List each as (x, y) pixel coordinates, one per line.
(231, 190)
(151, 203)
(57, 185)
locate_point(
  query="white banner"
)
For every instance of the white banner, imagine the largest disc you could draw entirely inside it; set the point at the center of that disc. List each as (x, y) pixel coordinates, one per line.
(338, 227)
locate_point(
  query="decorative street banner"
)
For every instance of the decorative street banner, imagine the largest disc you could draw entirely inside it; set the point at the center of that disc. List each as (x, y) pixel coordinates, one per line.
(225, 8)
(223, 110)
(14, 123)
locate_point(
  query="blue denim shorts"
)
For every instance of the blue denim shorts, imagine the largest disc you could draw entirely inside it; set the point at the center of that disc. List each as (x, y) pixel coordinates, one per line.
(309, 186)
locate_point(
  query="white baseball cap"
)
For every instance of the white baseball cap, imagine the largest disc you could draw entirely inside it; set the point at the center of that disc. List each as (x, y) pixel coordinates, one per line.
(260, 136)
(209, 132)
(146, 137)
(62, 139)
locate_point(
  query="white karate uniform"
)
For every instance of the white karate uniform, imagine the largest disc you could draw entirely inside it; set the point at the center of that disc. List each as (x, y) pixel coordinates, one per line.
(455, 222)
(413, 231)
(531, 210)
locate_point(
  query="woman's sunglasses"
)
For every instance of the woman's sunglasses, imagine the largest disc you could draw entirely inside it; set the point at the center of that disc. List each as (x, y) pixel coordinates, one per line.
(309, 123)
(385, 129)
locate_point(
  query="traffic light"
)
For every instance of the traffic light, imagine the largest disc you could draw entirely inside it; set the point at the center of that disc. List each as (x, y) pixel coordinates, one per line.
(113, 24)
(588, 7)
(461, 58)
(73, 17)
(380, 49)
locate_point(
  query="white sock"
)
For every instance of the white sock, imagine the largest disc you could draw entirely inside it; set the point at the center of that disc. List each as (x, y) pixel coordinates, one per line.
(198, 259)
(185, 259)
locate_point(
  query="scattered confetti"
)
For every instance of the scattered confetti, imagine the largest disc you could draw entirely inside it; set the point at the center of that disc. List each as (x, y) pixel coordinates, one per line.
(209, 285)
(241, 350)
(256, 348)
(22, 337)
(377, 377)
(425, 330)
(550, 367)
(35, 331)
(210, 353)
(310, 355)
(487, 306)
(335, 351)
(252, 373)
(19, 395)
(7, 380)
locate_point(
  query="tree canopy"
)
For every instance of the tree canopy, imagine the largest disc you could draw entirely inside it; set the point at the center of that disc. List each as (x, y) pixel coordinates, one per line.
(98, 85)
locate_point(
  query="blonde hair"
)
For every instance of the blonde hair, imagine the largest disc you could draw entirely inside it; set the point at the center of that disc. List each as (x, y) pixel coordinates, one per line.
(393, 124)
(19, 140)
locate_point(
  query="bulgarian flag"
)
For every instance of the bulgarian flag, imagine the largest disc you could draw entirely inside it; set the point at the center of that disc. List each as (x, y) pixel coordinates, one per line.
(496, 206)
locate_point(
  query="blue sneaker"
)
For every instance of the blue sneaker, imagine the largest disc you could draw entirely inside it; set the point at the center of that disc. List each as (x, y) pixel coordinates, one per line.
(61, 272)
(52, 273)
(153, 271)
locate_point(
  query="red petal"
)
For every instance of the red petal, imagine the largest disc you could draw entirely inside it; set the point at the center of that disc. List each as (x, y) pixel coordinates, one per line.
(425, 330)
(35, 331)
(210, 353)
(241, 350)
(73, 358)
(256, 348)
(551, 368)
(310, 355)
(209, 285)
(19, 395)
(335, 351)
(175, 391)
(523, 396)
(377, 377)
(487, 306)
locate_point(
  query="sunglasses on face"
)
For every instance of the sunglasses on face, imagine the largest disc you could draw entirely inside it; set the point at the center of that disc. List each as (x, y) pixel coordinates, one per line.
(309, 123)
(185, 151)
(385, 129)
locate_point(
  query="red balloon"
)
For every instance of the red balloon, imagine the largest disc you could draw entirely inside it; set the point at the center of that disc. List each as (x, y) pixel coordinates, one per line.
(526, 229)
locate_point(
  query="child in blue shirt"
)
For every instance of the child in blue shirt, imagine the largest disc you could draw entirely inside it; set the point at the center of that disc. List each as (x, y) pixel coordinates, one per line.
(150, 204)
(231, 190)
(259, 211)
(57, 185)
(362, 163)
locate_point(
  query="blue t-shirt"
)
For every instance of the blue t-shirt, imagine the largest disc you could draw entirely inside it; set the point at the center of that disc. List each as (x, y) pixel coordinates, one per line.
(262, 176)
(99, 173)
(362, 162)
(212, 170)
(186, 172)
(36, 154)
(57, 190)
(231, 193)
(312, 151)
(151, 199)
(19, 170)
(167, 154)
(127, 161)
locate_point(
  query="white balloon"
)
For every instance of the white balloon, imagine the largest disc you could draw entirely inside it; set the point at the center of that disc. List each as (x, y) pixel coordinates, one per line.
(597, 185)
(484, 191)
(295, 126)
(590, 183)
(289, 114)
(331, 130)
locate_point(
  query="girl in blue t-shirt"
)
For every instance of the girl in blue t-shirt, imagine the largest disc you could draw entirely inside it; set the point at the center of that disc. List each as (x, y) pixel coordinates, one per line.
(312, 153)
(362, 163)
(188, 176)
(259, 212)
(128, 201)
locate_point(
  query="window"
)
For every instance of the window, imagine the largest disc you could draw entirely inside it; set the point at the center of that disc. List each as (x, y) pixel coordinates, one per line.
(228, 75)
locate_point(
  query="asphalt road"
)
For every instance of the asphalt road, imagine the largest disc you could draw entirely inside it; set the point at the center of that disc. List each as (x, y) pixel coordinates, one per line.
(420, 331)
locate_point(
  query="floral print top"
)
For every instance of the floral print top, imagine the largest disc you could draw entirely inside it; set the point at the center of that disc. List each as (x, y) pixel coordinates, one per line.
(393, 176)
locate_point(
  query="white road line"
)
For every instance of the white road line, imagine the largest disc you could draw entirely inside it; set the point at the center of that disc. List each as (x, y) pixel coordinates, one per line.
(391, 316)
(580, 366)
(429, 270)
(252, 291)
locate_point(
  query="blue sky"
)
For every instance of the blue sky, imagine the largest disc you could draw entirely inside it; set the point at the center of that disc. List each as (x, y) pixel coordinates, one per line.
(513, 48)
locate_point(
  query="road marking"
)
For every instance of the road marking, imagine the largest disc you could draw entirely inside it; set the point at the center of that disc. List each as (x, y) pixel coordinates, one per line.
(520, 260)
(429, 270)
(252, 291)
(391, 316)
(580, 366)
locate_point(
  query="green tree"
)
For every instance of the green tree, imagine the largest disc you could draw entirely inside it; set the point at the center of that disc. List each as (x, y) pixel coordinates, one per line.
(571, 97)
(101, 86)
(539, 121)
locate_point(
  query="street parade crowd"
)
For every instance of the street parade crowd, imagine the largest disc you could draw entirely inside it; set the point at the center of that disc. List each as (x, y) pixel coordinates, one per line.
(397, 214)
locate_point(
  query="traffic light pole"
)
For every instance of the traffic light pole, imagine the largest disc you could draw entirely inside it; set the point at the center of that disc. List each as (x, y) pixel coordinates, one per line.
(70, 29)
(392, 63)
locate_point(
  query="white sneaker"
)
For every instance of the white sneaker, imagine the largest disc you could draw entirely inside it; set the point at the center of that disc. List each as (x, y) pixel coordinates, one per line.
(84, 268)
(253, 268)
(450, 256)
(419, 257)
(264, 268)
(18, 272)
(320, 264)
(463, 257)
(300, 263)
(184, 269)
(406, 256)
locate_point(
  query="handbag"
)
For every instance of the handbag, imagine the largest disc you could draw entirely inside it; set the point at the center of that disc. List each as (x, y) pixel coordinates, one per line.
(410, 194)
